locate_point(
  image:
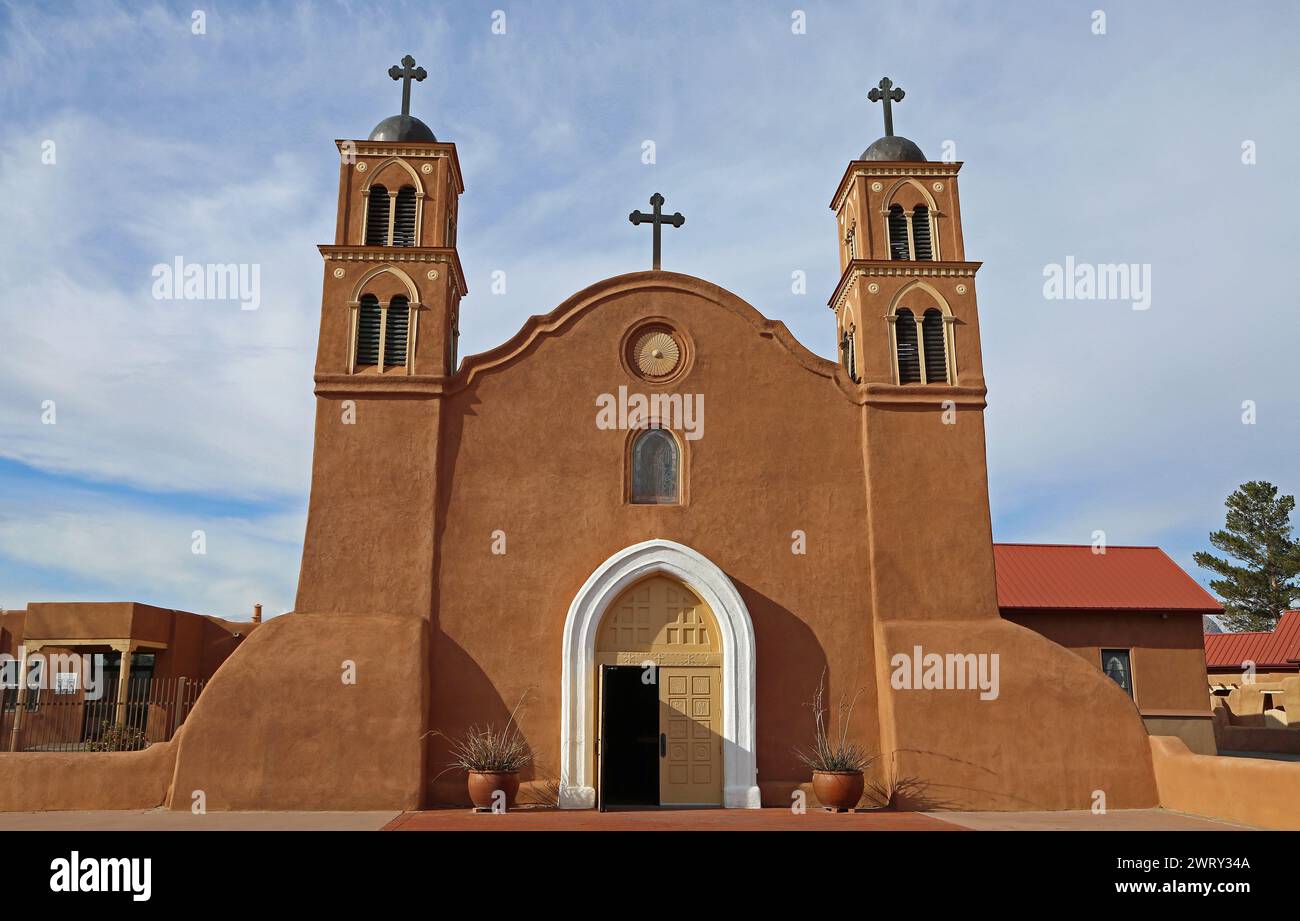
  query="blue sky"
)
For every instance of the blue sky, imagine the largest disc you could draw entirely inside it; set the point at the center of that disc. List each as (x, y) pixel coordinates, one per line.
(177, 416)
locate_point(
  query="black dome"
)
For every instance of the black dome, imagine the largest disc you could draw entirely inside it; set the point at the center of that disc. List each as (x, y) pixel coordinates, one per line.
(893, 147)
(403, 128)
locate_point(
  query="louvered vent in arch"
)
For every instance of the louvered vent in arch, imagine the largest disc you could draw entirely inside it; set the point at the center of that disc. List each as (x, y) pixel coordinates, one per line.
(921, 232)
(936, 351)
(368, 317)
(404, 219)
(377, 217)
(898, 248)
(399, 313)
(909, 361)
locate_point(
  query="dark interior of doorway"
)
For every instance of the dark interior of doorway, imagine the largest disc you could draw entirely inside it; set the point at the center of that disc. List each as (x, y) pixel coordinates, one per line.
(629, 737)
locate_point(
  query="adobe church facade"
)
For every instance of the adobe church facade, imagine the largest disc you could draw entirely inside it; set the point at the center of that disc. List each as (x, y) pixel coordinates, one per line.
(656, 478)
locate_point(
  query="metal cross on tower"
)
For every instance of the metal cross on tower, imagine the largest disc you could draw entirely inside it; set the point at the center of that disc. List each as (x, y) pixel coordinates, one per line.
(658, 219)
(887, 93)
(406, 73)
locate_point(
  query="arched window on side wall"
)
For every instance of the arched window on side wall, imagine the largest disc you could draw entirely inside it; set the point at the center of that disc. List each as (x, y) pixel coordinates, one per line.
(935, 347)
(396, 325)
(921, 244)
(377, 217)
(369, 320)
(404, 217)
(909, 359)
(656, 469)
(899, 247)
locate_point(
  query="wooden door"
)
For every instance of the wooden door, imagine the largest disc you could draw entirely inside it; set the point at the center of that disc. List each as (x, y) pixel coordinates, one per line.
(690, 726)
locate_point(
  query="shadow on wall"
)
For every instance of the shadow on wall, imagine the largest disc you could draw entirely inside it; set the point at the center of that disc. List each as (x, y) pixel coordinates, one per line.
(785, 646)
(463, 696)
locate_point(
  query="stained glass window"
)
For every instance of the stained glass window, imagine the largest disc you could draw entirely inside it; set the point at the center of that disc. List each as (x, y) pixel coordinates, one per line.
(654, 468)
(1115, 663)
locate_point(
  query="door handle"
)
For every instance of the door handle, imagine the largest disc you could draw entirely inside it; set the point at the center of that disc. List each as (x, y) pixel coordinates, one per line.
(663, 745)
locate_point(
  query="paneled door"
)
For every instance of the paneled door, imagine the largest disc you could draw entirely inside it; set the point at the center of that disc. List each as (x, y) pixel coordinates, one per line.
(690, 736)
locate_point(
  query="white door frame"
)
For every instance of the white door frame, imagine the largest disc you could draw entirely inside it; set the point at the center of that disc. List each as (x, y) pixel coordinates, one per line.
(578, 679)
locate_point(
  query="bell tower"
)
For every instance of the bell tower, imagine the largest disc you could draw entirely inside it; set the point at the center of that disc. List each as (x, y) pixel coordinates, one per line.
(908, 329)
(393, 281)
(390, 320)
(905, 304)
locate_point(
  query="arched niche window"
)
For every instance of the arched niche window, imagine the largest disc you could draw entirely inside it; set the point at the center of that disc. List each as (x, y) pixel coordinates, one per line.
(921, 246)
(404, 217)
(899, 245)
(909, 359)
(377, 216)
(934, 334)
(396, 324)
(369, 323)
(655, 469)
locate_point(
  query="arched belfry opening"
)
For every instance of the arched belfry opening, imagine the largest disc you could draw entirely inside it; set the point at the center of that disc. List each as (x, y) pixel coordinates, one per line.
(658, 685)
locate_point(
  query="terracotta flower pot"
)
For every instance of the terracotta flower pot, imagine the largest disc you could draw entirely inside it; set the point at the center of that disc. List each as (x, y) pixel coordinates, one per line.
(482, 784)
(838, 790)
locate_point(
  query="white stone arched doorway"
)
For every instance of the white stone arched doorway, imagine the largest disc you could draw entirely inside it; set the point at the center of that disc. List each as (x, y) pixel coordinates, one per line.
(578, 716)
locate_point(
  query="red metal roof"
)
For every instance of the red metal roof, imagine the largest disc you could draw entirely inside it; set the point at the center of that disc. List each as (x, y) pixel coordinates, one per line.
(1279, 649)
(1072, 576)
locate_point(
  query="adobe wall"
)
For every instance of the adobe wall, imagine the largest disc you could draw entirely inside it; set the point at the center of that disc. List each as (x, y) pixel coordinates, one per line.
(278, 728)
(369, 544)
(522, 455)
(787, 446)
(1199, 734)
(40, 781)
(1168, 650)
(1252, 791)
(68, 620)
(1168, 661)
(1059, 731)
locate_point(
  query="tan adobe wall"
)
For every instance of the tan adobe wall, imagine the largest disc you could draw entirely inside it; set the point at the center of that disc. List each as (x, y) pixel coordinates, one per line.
(1252, 791)
(39, 781)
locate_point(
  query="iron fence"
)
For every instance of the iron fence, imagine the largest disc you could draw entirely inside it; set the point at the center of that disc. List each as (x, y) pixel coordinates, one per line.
(48, 720)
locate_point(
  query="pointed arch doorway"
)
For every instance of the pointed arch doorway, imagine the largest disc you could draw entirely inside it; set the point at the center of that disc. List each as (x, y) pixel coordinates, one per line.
(704, 687)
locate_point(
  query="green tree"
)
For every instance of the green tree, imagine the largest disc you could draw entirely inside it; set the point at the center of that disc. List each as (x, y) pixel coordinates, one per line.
(1265, 580)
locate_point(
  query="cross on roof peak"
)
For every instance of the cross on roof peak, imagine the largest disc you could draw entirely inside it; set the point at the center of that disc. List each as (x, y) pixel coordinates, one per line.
(657, 219)
(887, 93)
(406, 73)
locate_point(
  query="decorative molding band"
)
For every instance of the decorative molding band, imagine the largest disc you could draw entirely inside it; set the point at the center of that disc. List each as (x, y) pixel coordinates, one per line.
(396, 255)
(930, 270)
(900, 268)
(917, 171)
(386, 254)
(429, 151)
(342, 386)
(933, 395)
(364, 150)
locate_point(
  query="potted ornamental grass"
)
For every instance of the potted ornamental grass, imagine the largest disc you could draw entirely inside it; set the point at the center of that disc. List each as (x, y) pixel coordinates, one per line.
(838, 765)
(492, 759)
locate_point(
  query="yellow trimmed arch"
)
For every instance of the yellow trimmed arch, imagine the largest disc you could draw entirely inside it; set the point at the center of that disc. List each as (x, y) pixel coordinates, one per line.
(412, 292)
(375, 173)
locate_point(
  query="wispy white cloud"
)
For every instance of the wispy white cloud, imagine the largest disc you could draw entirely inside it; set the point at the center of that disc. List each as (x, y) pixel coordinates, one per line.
(1123, 147)
(76, 545)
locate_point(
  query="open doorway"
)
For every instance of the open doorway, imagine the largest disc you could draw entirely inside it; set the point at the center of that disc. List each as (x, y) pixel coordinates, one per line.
(629, 736)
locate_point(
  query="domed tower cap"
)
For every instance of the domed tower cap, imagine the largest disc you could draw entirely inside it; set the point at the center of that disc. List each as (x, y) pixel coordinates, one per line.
(404, 127)
(891, 146)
